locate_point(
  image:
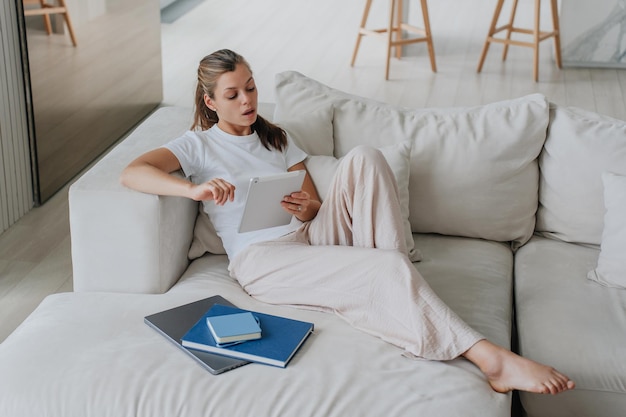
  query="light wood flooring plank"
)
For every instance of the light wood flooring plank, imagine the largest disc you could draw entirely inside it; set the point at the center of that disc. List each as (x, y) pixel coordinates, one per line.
(51, 275)
(607, 91)
(36, 233)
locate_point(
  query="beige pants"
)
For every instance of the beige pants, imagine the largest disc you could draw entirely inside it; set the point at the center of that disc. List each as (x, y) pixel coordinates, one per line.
(352, 260)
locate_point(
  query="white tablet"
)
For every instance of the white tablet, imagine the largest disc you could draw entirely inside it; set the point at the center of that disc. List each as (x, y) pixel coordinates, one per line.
(263, 209)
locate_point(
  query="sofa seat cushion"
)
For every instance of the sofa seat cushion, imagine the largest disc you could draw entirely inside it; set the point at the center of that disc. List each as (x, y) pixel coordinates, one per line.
(474, 277)
(90, 354)
(572, 323)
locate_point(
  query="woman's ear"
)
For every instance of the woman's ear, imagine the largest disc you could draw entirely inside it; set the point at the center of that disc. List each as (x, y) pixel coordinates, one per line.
(209, 103)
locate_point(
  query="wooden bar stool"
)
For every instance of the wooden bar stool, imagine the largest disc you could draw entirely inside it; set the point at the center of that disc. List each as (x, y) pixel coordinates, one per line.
(393, 32)
(537, 34)
(45, 10)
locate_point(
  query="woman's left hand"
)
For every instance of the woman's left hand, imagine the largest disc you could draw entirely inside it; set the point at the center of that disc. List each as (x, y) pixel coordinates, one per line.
(300, 205)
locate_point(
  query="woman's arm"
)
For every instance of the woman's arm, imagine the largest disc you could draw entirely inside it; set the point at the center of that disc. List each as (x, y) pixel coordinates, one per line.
(305, 204)
(150, 173)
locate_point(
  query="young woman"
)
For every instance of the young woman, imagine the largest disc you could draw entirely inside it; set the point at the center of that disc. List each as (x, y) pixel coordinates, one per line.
(345, 256)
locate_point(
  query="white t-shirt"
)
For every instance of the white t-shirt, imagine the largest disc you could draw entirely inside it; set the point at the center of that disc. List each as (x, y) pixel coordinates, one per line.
(214, 153)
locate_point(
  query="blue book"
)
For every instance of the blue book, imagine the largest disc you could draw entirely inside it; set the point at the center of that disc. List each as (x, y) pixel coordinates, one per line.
(231, 328)
(282, 337)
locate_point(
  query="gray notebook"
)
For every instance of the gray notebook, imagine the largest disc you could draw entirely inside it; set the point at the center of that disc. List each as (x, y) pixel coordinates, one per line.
(174, 323)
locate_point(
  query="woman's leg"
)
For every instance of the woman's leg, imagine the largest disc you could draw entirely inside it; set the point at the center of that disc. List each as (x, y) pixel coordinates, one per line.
(375, 290)
(380, 292)
(362, 208)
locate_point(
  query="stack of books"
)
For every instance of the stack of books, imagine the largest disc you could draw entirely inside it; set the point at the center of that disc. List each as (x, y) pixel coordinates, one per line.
(225, 332)
(228, 329)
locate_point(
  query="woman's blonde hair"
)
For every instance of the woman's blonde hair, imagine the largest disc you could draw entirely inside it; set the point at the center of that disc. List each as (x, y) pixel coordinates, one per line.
(210, 69)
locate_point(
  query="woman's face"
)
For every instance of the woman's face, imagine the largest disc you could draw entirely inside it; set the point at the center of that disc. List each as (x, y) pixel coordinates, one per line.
(235, 101)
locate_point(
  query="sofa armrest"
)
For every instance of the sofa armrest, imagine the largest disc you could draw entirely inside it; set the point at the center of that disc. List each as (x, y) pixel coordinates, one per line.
(129, 242)
(124, 240)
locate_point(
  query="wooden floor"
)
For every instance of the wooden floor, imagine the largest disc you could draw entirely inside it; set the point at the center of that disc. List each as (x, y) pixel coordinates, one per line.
(317, 39)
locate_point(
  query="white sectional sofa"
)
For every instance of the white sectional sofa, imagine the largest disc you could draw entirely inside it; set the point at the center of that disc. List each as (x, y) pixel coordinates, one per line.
(517, 210)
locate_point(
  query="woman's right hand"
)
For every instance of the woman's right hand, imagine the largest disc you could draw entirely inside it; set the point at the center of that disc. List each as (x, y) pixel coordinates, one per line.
(217, 189)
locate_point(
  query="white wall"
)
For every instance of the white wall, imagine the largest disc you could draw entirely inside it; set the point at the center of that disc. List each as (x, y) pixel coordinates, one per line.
(16, 194)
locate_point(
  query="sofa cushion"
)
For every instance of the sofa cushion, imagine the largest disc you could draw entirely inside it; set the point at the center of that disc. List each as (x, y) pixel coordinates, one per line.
(314, 133)
(473, 170)
(573, 324)
(322, 169)
(581, 145)
(611, 269)
(205, 238)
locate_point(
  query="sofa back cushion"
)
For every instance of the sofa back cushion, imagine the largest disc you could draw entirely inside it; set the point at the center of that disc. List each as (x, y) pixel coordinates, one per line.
(473, 171)
(580, 146)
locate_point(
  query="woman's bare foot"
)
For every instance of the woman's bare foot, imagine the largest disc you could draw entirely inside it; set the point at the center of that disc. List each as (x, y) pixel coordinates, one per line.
(507, 371)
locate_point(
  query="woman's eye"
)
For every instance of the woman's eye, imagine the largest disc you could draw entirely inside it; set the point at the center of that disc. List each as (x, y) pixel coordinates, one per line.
(251, 89)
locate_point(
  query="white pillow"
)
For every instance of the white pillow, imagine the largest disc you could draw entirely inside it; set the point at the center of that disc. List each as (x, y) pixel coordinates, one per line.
(322, 170)
(473, 171)
(611, 269)
(374, 122)
(311, 131)
(297, 96)
(581, 145)
(205, 238)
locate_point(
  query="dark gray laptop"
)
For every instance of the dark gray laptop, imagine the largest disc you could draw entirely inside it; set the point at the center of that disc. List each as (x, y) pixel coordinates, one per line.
(174, 323)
